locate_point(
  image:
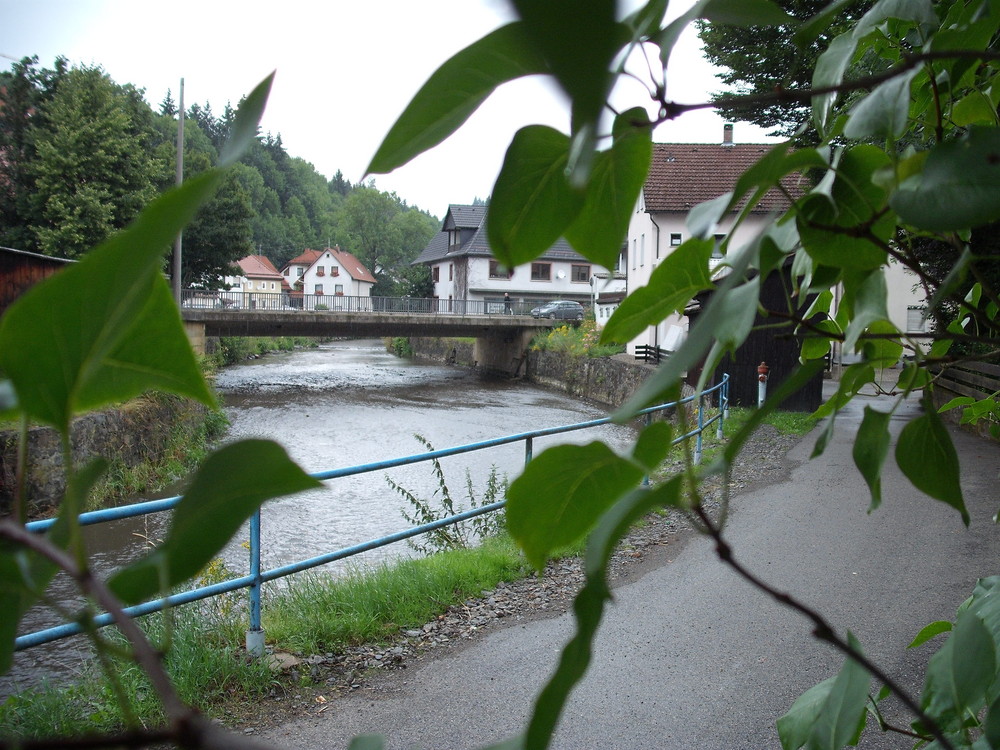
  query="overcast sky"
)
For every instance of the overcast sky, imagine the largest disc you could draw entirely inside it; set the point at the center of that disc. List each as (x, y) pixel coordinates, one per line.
(345, 70)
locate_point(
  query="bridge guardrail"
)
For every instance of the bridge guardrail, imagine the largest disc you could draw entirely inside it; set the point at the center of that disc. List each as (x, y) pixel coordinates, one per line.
(237, 300)
(256, 578)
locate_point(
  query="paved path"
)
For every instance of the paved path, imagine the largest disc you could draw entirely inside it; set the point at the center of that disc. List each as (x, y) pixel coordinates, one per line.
(690, 656)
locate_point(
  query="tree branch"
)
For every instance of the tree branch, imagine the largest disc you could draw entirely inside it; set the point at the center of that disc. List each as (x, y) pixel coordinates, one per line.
(822, 630)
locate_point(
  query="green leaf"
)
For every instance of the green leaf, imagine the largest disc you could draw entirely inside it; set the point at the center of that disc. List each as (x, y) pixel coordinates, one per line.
(532, 203)
(975, 108)
(834, 231)
(25, 574)
(815, 345)
(925, 454)
(796, 725)
(672, 285)
(90, 314)
(929, 631)
(738, 309)
(865, 296)
(230, 485)
(588, 607)
(747, 13)
(615, 183)
(579, 39)
(812, 28)
(367, 742)
(842, 715)
(884, 111)
(653, 445)
(246, 124)
(702, 219)
(697, 344)
(959, 187)
(883, 352)
(454, 92)
(870, 449)
(829, 71)
(579, 482)
(959, 674)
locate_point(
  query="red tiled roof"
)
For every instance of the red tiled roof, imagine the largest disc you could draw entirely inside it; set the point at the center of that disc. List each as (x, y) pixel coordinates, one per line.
(682, 175)
(257, 266)
(354, 266)
(307, 258)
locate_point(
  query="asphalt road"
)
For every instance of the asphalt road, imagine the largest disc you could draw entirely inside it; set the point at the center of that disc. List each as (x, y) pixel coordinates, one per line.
(690, 656)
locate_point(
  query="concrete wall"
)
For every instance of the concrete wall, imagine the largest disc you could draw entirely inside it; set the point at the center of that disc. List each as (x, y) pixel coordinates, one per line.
(138, 432)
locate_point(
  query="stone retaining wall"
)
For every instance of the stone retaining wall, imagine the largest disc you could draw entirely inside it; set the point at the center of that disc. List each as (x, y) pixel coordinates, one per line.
(606, 380)
(140, 431)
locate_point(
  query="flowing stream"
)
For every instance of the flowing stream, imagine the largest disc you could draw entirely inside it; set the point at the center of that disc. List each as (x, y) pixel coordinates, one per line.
(343, 404)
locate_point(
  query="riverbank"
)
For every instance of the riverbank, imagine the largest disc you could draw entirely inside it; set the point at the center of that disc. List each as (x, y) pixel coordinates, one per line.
(149, 442)
(609, 380)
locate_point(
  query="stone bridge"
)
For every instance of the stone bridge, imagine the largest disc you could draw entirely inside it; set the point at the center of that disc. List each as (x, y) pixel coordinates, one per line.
(501, 339)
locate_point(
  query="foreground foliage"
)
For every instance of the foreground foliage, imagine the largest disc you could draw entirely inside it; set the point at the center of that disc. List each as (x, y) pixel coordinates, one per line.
(903, 101)
(917, 155)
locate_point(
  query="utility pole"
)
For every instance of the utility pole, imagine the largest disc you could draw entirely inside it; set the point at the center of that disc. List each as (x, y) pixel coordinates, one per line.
(180, 178)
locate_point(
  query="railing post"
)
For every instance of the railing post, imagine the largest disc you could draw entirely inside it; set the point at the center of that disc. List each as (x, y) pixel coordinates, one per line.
(647, 419)
(701, 427)
(722, 419)
(255, 635)
(527, 451)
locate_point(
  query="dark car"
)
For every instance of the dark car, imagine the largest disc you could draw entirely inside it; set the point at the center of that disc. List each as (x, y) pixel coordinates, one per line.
(559, 309)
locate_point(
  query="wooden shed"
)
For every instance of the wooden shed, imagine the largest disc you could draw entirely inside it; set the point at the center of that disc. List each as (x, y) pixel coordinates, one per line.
(775, 346)
(20, 270)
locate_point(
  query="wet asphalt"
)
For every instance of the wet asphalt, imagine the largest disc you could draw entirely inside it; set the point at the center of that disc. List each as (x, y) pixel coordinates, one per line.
(690, 655)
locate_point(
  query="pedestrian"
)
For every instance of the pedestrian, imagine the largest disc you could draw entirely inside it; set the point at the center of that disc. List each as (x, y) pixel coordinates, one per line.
(506, 303)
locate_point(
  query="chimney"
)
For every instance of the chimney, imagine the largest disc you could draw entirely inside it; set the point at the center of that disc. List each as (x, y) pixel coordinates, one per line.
(727, 134)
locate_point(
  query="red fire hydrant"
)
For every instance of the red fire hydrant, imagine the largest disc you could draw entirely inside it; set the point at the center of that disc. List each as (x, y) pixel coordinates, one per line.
(762, 370)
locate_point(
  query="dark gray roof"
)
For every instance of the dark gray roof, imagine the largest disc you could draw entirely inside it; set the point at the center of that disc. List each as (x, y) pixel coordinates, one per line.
(464, 217)
(474, 217)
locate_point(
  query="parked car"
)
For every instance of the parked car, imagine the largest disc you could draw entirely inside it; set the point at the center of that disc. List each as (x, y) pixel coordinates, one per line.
(560, 309)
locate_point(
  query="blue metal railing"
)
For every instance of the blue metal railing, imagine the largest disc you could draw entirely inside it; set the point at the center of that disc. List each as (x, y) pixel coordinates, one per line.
(256, 578)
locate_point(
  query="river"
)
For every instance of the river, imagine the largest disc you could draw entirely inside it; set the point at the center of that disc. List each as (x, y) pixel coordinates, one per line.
(343, 404)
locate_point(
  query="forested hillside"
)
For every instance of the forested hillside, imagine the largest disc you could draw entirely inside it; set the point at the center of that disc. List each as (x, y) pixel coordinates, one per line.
(81, 155)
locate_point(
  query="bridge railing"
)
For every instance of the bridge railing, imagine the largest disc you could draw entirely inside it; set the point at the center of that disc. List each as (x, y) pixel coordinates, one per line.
(254, 581)
(237, 300)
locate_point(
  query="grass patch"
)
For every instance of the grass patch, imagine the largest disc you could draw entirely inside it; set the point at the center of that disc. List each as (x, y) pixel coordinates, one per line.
(317, 613)
(206, 670)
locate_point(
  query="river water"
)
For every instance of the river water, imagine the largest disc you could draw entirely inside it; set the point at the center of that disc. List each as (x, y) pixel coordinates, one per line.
(343, 404)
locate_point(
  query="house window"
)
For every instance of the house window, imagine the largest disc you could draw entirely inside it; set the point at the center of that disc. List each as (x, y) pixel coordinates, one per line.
(541, 271)
(454, 237)
(635, 253)
(436, 274)
(717, 250)
(338, 289)
(287, 271)
(642, 249)
(320, 271)
(335, 270)
(299, 270)
(499, 272)
(580, 273)
(319, 290)
(451, 271)
(272, 286)
(675, 239)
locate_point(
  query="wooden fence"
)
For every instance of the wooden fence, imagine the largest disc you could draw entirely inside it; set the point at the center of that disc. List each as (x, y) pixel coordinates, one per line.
(974, 379)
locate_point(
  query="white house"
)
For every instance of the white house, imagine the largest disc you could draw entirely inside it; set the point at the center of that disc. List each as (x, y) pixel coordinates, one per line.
(258, 285)
(683, 175)
(317, 274)
(464, 269)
